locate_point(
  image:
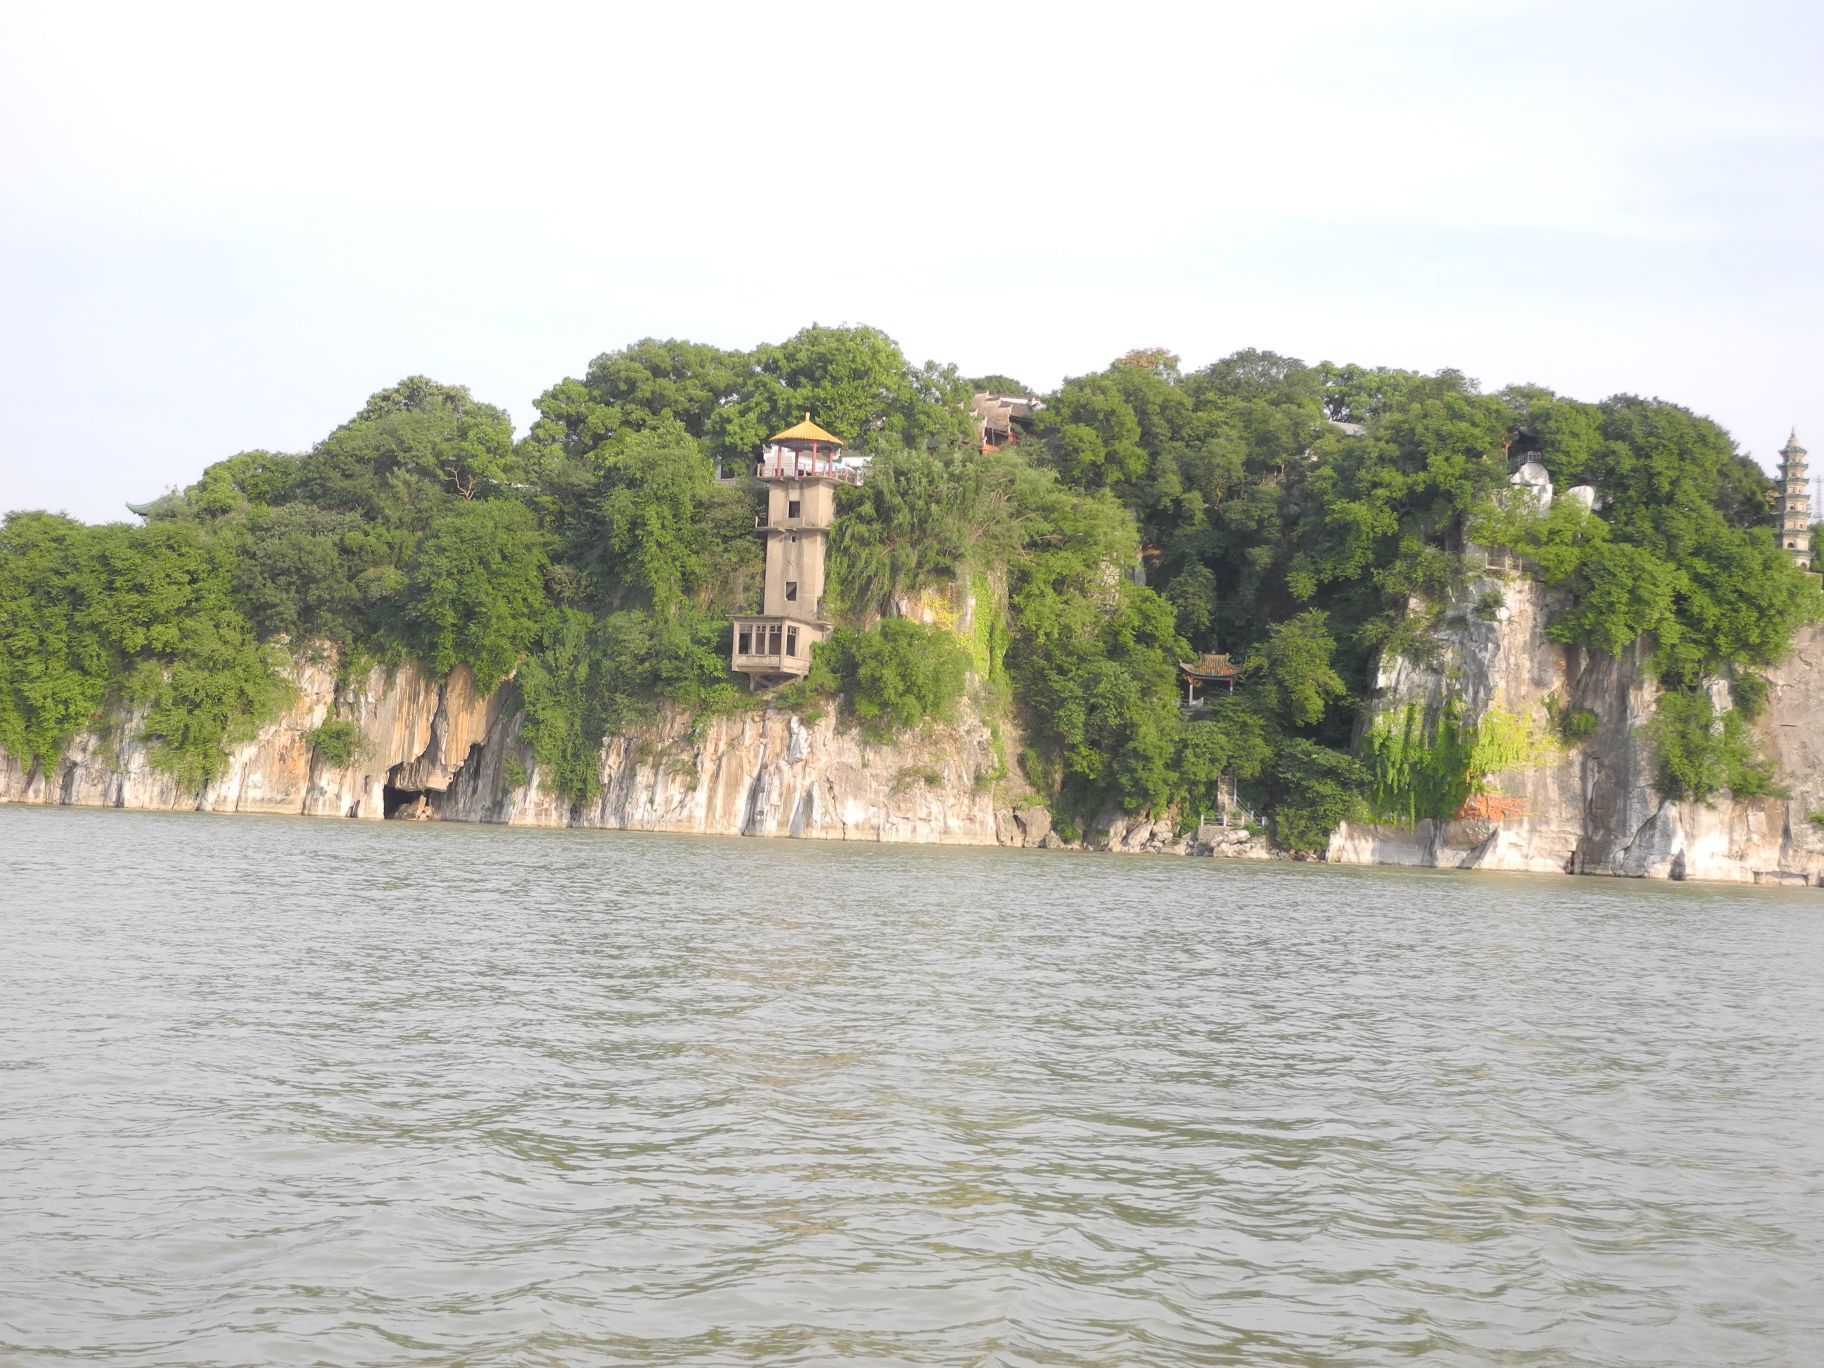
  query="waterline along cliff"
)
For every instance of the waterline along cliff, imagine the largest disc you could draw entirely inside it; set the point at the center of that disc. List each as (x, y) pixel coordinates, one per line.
(1260, 608)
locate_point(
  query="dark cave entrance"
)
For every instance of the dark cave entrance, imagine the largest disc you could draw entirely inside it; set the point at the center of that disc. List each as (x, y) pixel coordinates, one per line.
(392, 799)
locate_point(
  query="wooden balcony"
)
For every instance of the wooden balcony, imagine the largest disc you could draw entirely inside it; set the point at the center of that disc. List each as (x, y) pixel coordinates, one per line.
(774, 645)
(806, 469)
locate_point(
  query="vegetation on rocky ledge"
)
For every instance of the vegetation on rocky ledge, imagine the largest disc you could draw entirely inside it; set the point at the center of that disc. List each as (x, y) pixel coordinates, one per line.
(1301, 518)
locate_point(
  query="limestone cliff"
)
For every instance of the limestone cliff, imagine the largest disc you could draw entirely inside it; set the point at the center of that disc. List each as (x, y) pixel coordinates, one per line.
(1590, 807)
(438, 749)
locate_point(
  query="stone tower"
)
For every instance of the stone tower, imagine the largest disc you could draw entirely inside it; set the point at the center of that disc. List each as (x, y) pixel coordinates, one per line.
(1795, 504)
(800, 471)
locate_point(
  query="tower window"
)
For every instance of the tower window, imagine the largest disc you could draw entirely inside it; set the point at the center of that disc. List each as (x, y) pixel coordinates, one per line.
(791, 641)
(772, 640)
(791, 591)
(744, 644)
(792, 506)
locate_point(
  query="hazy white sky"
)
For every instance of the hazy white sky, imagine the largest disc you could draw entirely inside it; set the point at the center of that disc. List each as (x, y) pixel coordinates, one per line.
(222, 227)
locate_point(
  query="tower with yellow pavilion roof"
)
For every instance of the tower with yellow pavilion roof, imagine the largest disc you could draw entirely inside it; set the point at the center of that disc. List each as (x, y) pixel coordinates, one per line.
(800, 468)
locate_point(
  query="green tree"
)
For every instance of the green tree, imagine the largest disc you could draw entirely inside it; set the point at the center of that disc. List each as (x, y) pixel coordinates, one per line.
(1310, 790)
(857, 383)
(1229, 737)
(1619, 591)
(476, 594)
(1294, 672)
(656, 485)
(298, 573)
(159, 603)
(251, 480)
(408, 443)
(55, 665)
(1259, 375)
(1093, 433)
(649, 384)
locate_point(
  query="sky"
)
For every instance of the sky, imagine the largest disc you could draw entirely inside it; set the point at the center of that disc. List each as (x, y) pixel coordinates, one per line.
(223, 226)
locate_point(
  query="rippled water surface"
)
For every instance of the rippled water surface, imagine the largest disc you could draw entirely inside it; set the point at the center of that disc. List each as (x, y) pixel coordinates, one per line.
(278, 1091)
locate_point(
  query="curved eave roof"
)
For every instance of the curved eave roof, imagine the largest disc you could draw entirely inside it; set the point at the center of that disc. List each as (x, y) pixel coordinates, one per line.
(807, 431)
(1211, 667)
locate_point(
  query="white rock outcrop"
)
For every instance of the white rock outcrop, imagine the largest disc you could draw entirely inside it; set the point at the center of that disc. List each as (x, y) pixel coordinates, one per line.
(1535, 481)
(1590, 807)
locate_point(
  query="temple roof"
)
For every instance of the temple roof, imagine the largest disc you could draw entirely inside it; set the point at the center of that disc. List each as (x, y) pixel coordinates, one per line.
(1792, 447)
(1003, 409)
(168, 502)
(1209, 665)
(807, 431)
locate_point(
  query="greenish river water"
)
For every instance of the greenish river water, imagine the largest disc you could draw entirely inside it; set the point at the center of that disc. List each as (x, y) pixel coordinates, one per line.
(282, 1091)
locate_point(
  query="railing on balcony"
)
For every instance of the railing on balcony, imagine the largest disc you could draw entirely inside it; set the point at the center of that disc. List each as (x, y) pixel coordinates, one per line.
(806, 468)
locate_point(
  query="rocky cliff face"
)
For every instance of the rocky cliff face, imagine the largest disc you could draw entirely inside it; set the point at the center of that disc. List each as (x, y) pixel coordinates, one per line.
(1590, 807)
(438, 749)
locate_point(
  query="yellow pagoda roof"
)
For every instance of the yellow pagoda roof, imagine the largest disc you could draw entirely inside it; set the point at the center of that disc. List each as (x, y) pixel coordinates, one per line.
(807, 431)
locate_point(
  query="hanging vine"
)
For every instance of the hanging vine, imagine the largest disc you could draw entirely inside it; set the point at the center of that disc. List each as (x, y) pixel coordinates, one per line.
(1432, 768)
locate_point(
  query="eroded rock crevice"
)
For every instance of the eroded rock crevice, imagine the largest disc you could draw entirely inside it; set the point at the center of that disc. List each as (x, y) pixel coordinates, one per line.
(1590, 805)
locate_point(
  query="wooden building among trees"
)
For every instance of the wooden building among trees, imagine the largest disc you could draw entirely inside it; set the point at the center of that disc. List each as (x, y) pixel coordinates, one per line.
(1001, 419)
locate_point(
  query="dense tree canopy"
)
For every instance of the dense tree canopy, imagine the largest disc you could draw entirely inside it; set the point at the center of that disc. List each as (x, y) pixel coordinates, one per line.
(1300, 518)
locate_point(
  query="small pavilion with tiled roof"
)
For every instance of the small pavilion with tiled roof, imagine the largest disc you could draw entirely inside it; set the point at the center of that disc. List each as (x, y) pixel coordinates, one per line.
(1208, 672)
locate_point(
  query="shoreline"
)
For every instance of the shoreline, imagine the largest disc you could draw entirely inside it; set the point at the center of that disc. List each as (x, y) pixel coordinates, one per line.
(1270, 856)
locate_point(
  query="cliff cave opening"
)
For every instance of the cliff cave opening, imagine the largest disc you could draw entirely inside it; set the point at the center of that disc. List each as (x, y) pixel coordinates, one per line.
(392, 799)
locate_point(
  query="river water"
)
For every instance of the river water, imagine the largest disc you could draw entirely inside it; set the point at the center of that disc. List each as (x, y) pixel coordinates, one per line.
(280, 1091)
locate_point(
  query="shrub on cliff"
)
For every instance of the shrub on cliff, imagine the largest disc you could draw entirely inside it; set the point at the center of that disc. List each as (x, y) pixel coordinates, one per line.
(895, 676)
(1429, 767)
(1700, 752)
(337, 744)
(587, 677)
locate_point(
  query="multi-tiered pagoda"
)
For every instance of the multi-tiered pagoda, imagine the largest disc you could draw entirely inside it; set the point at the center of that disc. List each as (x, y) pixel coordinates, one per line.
(1795, 504)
